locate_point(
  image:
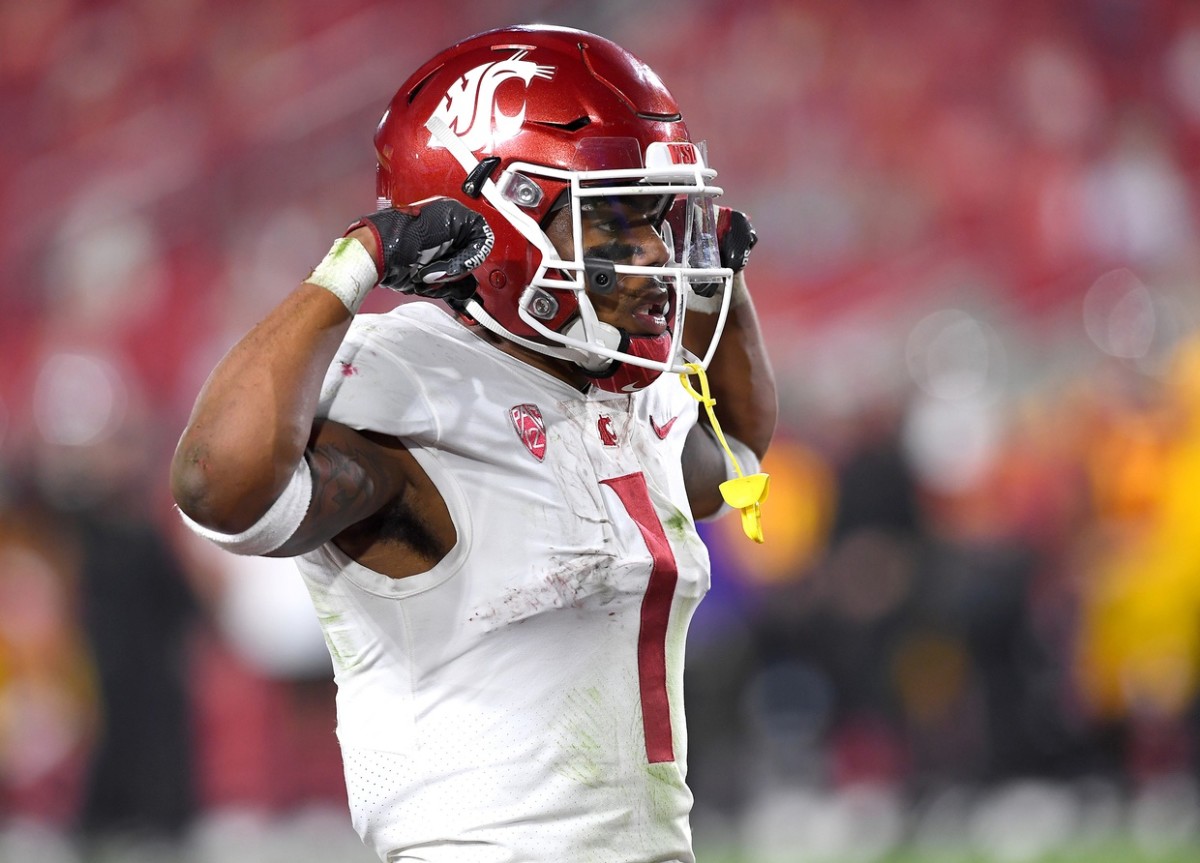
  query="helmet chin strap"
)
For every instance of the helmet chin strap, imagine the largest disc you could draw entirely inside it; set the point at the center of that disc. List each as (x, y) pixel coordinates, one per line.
(624, 377)
(604, 373)
(611, 337)
(479, 314)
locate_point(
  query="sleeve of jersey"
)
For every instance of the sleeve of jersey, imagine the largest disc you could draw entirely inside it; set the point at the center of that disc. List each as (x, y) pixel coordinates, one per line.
(678, 402)
(673, 413)
(372, 386)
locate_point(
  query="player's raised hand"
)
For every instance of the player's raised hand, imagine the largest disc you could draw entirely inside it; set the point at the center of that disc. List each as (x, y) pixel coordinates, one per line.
(735, 238)
(429, 248)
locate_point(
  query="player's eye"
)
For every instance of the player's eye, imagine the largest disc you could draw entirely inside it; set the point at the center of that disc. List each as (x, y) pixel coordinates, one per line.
(605, 219)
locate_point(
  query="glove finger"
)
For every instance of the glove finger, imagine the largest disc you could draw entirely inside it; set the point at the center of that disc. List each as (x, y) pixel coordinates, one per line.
(736, 237)
(474, 239)
(402, 282)
(460, 289)
(454, 267)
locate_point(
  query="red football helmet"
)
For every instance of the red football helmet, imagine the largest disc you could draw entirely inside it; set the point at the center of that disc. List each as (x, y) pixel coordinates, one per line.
(518, 123)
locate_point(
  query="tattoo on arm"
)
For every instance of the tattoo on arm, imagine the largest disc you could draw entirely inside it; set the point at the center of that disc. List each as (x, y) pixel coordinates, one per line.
(347, 478)
(353, 478)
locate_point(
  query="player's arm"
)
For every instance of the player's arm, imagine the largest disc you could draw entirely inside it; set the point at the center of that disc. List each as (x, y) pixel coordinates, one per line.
(740, 376)
(253, 461)
(252, 421)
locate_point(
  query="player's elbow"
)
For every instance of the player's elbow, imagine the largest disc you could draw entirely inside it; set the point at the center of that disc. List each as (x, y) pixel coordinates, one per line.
(223, 492)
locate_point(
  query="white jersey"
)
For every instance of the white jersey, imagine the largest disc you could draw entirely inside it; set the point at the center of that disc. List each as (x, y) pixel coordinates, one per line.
(523, 699)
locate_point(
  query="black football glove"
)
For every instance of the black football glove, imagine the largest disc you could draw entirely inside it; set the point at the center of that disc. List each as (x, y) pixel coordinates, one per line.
(735, 238)
(429, 249)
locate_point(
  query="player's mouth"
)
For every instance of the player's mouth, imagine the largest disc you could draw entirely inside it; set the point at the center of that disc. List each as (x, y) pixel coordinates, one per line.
(651, 313)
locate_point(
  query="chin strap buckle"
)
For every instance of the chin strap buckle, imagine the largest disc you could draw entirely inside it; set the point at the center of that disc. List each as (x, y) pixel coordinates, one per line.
(473, 186)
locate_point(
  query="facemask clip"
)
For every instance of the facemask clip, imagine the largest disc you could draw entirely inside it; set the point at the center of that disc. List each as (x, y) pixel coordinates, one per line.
(601, 275)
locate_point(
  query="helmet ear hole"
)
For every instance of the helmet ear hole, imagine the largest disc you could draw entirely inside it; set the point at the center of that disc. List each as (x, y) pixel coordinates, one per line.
(561, 202)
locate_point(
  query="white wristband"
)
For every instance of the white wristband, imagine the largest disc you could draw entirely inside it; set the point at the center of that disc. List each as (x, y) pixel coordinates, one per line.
(711, 305)
(275, 527)
(348, 272)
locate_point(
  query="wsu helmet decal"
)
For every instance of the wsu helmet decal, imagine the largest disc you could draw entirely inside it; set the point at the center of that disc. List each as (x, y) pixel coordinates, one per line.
(469, 108)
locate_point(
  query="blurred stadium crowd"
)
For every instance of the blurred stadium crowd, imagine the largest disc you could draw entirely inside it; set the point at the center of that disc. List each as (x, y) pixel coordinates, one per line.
(979, 601)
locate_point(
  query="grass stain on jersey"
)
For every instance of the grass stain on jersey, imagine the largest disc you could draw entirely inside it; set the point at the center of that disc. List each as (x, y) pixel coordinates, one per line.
(663, 790)
(338, 640)
(580, 740)
(678, 526)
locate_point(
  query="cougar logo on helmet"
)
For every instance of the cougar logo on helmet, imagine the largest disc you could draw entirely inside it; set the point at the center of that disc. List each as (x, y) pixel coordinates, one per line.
(469, 108)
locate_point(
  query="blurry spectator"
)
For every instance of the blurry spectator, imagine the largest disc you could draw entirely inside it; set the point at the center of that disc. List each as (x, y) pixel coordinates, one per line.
(48, 688)
(92, 469)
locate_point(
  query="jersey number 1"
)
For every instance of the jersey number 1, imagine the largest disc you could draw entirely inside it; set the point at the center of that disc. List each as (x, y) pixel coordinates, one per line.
(656, 610)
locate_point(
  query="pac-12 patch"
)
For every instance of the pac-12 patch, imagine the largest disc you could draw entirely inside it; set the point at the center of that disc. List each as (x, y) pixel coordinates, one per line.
(531, 429)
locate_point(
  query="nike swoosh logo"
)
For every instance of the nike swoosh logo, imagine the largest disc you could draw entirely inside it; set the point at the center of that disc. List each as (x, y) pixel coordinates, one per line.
(662, 430)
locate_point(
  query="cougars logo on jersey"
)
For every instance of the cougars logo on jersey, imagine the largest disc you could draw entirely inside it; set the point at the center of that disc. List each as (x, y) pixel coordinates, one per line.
(608, 435)
(469, 109)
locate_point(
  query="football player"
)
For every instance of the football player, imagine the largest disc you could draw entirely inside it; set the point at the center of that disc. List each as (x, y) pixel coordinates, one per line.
(492, 499)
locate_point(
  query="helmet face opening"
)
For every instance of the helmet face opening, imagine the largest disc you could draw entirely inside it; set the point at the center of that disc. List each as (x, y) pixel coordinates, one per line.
(582, 131)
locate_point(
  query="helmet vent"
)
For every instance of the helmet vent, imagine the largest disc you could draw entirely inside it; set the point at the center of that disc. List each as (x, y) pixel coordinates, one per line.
(420, 85)
(572, 126)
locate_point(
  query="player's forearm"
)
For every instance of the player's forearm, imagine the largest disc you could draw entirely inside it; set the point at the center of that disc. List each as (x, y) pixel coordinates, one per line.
(740, 375)
(252, 420)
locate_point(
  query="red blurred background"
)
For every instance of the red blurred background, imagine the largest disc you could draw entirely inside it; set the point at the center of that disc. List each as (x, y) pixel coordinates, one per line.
(978, 275)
